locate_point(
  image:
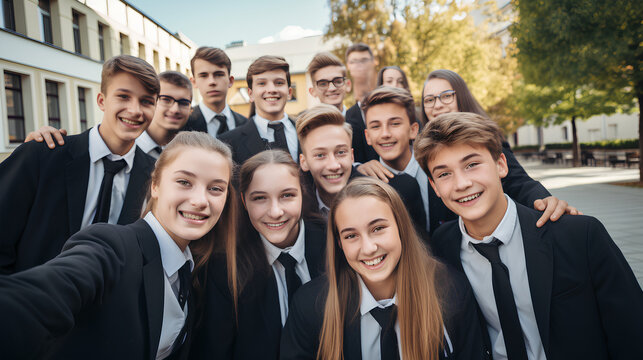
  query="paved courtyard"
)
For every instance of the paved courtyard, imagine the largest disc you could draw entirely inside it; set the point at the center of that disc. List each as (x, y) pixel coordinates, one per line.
(619, 208)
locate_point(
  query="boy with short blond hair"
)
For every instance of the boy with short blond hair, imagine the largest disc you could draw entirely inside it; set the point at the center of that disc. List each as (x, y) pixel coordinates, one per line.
(329, 82)
(561, 291)
(269, 127)
(97, 176)
(211, 75)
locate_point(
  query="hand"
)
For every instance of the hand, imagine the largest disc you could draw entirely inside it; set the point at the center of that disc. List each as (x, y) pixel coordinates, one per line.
(47, 134)
(553, 208)
(375, 169)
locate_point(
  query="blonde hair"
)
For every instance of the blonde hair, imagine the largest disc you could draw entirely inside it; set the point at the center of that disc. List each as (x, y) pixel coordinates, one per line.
(421, 322)
(454, 129)
(222, 236)
(320, 115)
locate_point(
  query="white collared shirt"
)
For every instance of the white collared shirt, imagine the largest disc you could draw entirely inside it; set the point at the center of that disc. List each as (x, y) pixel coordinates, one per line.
(172, 259)
(298, 252)
(413, 168)
(478, 271)
(148, 145)
(214, 124)
(269, 134)
(97, 151)
(369, 327)
(323, 208)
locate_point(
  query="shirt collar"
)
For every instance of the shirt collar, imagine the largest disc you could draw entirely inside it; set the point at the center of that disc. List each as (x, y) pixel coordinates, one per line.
(98, 150)
(172, 257)
(297, 251)
(146, 143)
(262, 123)
(209, 115)
(320, 202)
(368, 302)
(411, 168)
(503, 231)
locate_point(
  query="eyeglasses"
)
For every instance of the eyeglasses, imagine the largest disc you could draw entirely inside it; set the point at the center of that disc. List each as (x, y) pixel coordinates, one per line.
(446, 97)
(168, 101)
(338, 82)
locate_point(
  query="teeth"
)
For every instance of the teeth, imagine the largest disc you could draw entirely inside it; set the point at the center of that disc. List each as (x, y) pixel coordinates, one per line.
(333, 177)
(374, 261)
(276, 225)
(469, 198)
(129, 121)
(192, 216)
(272, 99)
(387, 144)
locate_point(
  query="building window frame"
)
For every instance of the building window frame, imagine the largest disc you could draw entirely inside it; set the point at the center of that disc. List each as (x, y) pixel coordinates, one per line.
(46, 27)
(82, 108)
(52, 91)
(101, 41)
(8, 16)
(75, 26)
(16, 126)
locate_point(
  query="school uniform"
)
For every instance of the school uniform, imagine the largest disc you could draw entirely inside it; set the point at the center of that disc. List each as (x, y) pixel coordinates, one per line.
(362, 151)
(203, 119)
(256, 136)
(49, 194)
(108, 295)
(362, 332)
(148, 145)
(574, 293)
(263, 303)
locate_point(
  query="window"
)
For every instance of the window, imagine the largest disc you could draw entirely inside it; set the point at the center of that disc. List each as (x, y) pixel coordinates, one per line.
(7, 18)
(168, 64)
(124, 43)
(53, 103)
(76, 30)
(293, 86)
(178, 67)
(82, 108)
(101, 41)
(15, 109)
(45, 21)
(141, 51)
(564, 133)
(155, 57)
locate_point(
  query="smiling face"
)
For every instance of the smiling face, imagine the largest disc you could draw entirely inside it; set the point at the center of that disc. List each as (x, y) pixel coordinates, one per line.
(270, 92)
(330, 95)
(393, 78)
(360, 64)
(389, 131)
(274, 201)
(435, 87)
(191, 194)
(467, 179)
(213, 82)
(173, 117)
(369, 237)
(128, 109)
(327, 154)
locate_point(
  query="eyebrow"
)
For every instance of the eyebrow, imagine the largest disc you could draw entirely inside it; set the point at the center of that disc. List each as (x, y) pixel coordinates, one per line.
(370, 223)
(438, 167)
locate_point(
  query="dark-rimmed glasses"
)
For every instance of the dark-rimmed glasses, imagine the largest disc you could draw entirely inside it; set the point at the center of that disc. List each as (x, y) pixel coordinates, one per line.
(338, 82)
(446, 97)
(168, 101)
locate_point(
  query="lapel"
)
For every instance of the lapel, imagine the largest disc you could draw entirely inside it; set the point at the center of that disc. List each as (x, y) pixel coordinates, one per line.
(540, 268)
(315, 238)
(77, 177)
(253, 143)
(152, 282)
(197, 121)
(449, 246)
(294, 123)
(438, 212)
(271, 310)
(352, 329)
(238, 119)
(136, 188)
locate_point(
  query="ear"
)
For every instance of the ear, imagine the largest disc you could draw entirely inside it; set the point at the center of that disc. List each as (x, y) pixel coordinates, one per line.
(289, 93)
(415, 127)
(501, 163)
(311, 91)
(348, 85)
(100, 100)
(250, 96)
(302, 163)
(368, 139)
(352, 156)
(193, 81)
(154, 191)
(231, 81)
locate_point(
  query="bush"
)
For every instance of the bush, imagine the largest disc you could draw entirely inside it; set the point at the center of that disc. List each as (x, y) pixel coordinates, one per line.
(525, 148)
(603, 144)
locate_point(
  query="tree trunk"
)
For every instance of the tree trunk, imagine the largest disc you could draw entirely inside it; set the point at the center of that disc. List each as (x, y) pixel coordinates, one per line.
(575, 145)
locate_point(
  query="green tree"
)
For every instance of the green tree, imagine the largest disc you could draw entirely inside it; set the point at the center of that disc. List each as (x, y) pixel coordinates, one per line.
(587, 47)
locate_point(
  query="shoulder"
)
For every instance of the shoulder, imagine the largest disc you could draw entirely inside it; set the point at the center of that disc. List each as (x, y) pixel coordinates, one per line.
(453, 286)
(143, 159)
(240, 118)
(353, 113)
(311, 297)
(444, 234)
(236, 133)
(403, 181)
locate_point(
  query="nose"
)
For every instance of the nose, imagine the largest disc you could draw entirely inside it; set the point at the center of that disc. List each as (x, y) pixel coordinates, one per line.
(369, 246)
(135, 108)
(175, 107)
(198, 198)
(333, 164)
(275, 211)
(385, 131)
(462, 181)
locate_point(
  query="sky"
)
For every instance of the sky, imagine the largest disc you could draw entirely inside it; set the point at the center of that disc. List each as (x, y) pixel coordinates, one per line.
(219, 22)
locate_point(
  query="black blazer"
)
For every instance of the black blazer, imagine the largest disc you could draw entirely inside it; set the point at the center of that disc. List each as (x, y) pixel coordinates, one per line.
(196, 121)
(246, 142)
(362, 151)
(258, 332)
(101, 298)
(43, 199)
(587, 302)
(301, 333)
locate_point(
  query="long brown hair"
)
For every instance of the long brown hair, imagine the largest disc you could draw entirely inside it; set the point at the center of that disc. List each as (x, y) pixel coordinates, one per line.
(222, 236)
(421, 322)
(463, 97)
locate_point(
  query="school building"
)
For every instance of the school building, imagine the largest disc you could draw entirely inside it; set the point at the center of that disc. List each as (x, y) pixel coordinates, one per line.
(52, 54)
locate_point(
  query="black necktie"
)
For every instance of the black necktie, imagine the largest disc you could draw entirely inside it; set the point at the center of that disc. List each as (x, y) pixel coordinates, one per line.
(280, 136)
(388, 338)
(105, 193)
(158, 149)
(185, 276)
(293, 282)
(507, 312)
(223, 123)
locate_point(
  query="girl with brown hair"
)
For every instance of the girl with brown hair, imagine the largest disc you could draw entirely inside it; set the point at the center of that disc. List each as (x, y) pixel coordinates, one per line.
(384, 296)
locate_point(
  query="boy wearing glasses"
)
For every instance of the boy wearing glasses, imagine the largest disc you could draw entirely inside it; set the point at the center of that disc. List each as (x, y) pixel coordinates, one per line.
(328, 76)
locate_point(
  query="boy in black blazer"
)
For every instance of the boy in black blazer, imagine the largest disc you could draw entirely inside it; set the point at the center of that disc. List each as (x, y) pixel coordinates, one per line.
(47, 195)
(211, 75)
(562, 291)
(270, 128)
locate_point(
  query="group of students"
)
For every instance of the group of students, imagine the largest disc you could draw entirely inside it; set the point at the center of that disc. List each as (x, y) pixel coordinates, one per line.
(360, 233)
